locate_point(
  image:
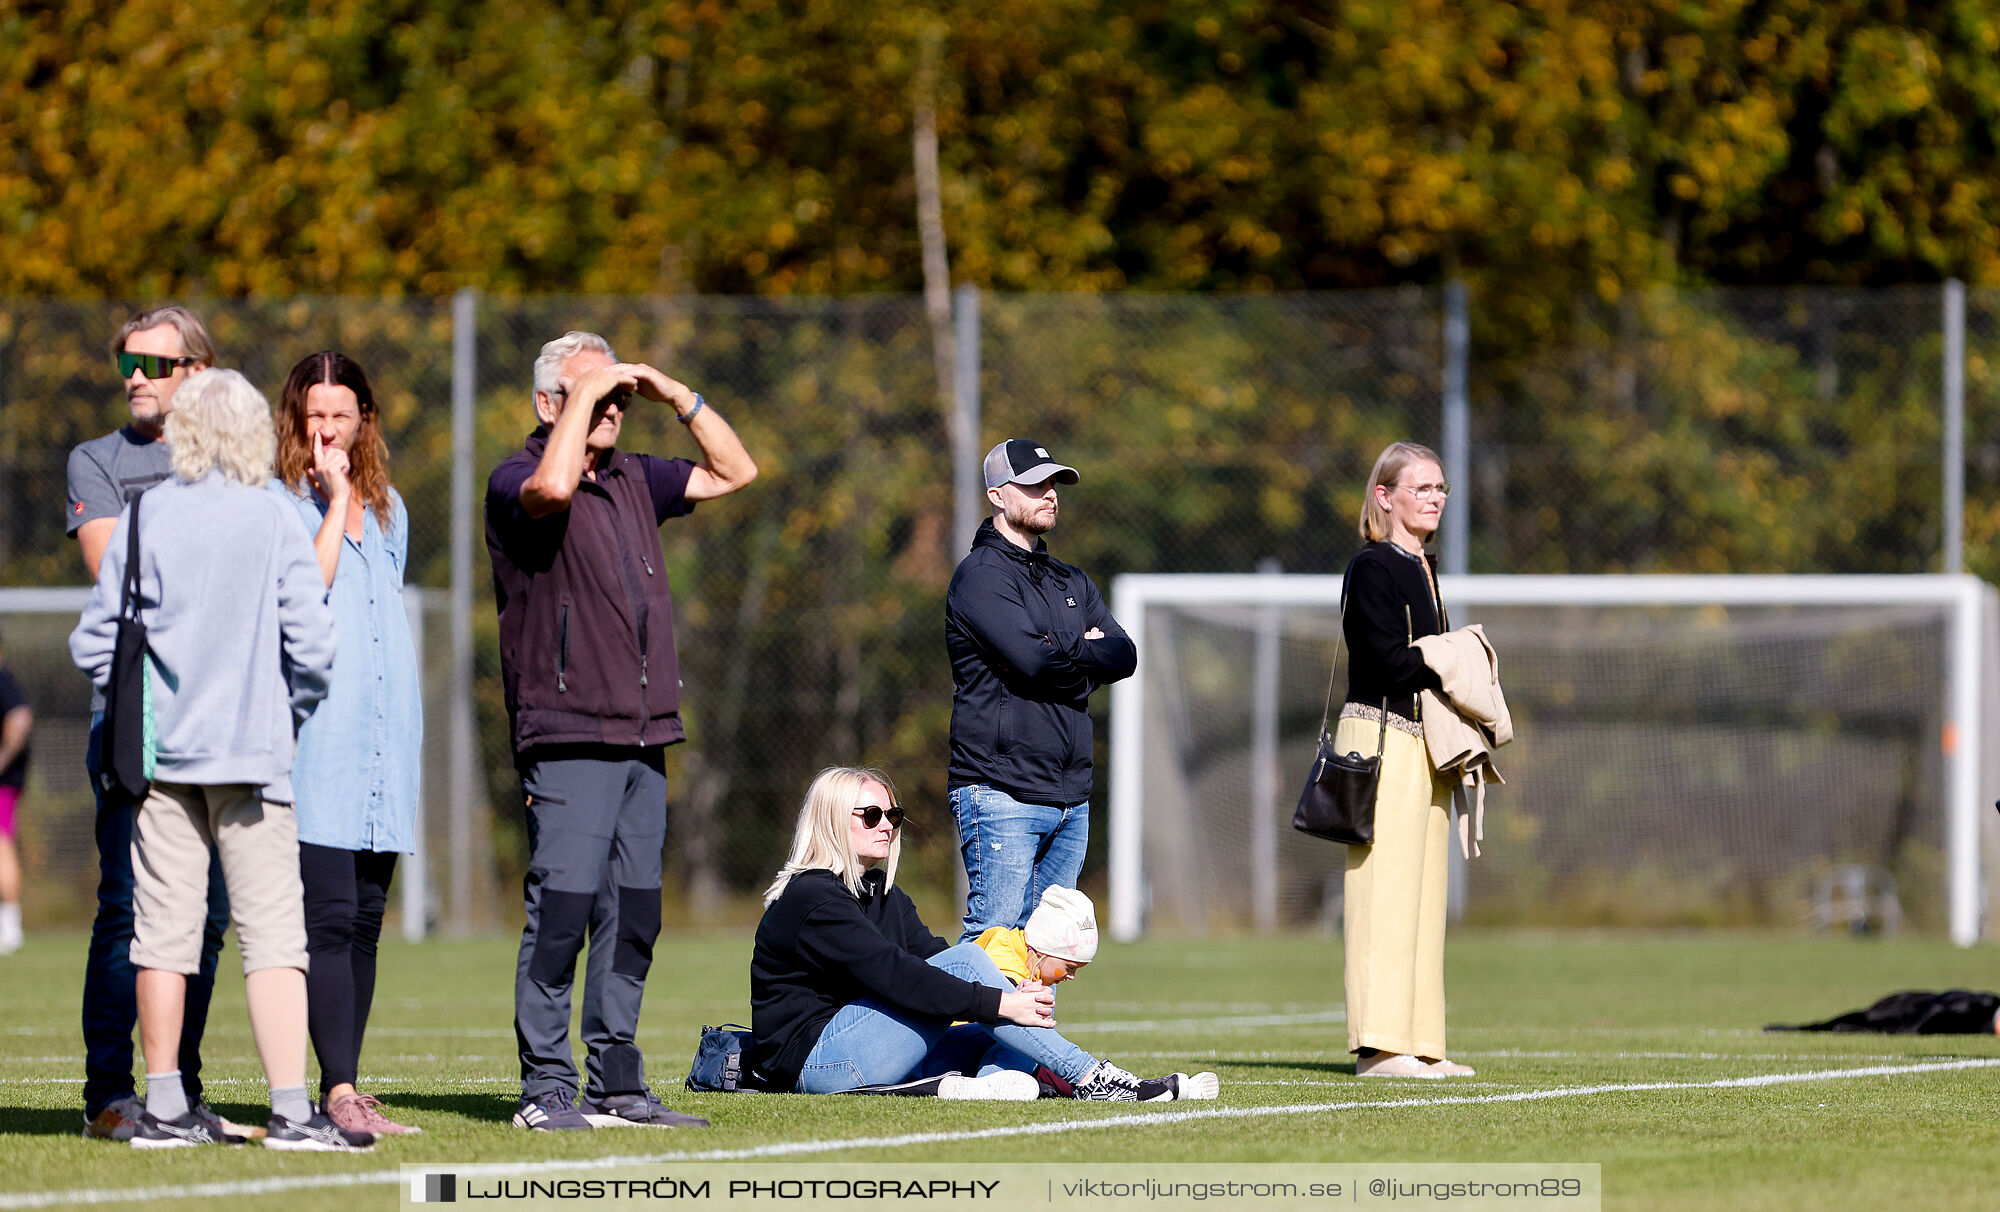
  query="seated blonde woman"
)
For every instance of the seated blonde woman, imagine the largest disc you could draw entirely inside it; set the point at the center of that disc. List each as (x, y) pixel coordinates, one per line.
(849, 989)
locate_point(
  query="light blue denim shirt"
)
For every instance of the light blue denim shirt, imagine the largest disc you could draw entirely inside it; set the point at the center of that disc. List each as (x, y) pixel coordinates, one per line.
(359, 768)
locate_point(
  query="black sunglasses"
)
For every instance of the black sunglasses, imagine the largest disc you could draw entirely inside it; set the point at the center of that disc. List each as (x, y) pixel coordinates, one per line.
(156, 366)
(871, 816)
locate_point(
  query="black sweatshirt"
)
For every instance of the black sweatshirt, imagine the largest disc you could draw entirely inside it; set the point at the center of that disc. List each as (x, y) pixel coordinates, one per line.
(1383, 580)
(819, 948)
(1022, 672)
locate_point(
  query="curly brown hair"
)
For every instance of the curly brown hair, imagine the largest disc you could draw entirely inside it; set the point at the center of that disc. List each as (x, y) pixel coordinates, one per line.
(368, 462)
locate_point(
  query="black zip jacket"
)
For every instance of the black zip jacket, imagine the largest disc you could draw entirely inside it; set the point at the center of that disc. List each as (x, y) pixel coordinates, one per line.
(1013, 625)
(1382, 582)
(819, 948)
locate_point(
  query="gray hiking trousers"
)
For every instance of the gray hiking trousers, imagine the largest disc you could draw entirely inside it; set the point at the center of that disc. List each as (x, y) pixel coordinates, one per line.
(596, 827)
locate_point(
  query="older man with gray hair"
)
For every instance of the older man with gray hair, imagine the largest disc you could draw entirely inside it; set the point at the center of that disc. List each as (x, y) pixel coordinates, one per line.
(592, 687)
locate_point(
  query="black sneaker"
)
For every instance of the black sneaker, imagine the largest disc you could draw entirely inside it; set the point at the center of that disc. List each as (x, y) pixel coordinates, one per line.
(316, 1135)
(228, 1133)
(1106, 1082)
(118, 1120)
(634, 1110)
(151, 1132)
(552, 1112)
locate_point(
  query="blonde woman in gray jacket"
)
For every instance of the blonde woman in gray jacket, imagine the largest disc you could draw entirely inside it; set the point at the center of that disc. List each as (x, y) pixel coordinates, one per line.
(240, 648)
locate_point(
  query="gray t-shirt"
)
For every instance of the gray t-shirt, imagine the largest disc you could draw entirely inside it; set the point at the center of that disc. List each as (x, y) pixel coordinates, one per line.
(106, 472)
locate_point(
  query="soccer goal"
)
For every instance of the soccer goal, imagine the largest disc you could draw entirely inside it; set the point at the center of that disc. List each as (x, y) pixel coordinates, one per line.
(1759, 751)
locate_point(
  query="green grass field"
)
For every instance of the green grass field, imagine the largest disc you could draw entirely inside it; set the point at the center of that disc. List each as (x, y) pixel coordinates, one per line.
(1629, 1051)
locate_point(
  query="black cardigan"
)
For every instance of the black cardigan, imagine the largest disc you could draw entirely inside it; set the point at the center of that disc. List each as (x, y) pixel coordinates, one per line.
(1382, 580)
(819, 948)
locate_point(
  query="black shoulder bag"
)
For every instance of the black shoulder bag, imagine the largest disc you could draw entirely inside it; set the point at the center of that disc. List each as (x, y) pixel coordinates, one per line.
(123, 744)
(1338, 803)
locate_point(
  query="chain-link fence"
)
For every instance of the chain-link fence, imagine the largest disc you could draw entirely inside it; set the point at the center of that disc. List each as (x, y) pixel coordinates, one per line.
(1796, 431)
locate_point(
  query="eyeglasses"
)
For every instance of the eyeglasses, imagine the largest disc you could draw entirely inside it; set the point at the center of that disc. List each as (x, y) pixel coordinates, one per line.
(871, 816)
(155, 366)
(1427, 492)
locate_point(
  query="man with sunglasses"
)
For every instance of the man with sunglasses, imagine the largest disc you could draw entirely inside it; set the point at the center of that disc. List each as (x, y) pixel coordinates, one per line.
(1029, 639)
(154, 352)
(593, 698)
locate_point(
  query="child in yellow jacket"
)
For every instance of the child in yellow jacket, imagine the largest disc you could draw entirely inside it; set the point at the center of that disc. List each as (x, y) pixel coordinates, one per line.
(1059, 939)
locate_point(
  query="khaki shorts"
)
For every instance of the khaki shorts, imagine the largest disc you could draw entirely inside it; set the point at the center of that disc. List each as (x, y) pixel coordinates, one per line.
(259, 846)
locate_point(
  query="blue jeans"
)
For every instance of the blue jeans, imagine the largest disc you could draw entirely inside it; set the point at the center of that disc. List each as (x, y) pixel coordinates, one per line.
(1013, 853)
(110, 997)
(870, 1042)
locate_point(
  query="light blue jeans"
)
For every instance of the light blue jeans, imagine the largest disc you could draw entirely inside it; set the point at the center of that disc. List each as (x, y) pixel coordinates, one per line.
(1013, 853)
(870, 1042)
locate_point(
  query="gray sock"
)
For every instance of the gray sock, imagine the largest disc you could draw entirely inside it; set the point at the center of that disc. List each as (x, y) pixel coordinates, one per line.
(165, 1097)
(290, 1102)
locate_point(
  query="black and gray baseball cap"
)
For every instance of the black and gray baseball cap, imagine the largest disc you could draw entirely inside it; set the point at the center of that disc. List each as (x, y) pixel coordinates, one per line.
(1019, 461)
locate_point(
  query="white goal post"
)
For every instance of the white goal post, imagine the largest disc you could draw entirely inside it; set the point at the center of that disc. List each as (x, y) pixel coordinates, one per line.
(1965, 605)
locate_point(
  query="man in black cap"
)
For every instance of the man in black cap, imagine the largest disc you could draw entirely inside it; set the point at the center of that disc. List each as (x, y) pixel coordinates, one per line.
(1029, 639)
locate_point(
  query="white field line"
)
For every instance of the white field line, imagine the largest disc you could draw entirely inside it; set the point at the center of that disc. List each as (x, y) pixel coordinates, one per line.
(366, 1080)
(1293, 1054)
(1205, 1022)
(1208, 1022)
(1404, 1083)
(1135, 1119)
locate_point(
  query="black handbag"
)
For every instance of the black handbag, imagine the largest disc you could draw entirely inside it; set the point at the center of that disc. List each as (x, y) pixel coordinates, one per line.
(123, 743)
(1338, 802)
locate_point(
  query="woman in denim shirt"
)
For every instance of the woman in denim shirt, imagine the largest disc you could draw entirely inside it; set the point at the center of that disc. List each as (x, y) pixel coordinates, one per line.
(357, 772)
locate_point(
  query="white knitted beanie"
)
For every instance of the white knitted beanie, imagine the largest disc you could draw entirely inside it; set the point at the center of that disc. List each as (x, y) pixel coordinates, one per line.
(1064, 926)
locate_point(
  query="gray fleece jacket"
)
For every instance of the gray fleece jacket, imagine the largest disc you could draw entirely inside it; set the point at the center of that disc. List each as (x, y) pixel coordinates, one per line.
(237, 623)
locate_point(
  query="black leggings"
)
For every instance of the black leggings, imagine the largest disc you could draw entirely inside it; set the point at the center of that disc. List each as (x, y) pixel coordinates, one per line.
(346, 891)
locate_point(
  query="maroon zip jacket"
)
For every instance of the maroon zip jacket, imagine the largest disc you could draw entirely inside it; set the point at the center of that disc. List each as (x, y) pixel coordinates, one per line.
(586, 617)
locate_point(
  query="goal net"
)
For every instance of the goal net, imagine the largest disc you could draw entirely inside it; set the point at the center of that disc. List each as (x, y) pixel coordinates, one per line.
(1777, 752)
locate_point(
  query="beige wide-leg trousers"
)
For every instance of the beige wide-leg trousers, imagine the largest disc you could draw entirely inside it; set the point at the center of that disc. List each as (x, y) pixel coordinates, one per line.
(1395, 901)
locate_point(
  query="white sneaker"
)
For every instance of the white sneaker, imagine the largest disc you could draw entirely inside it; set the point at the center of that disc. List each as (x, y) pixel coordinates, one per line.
(1008, 1085)
(1393, 1064)
(10, 928)
(1444, 1067)
(1197, 1086)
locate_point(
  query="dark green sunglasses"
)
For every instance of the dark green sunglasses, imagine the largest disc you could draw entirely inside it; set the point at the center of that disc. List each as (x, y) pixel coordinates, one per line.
(156, 366)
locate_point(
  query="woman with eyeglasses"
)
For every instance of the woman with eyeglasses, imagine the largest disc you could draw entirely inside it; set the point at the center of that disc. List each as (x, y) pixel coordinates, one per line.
(1395, 891)
(357, 771)
(849, 989)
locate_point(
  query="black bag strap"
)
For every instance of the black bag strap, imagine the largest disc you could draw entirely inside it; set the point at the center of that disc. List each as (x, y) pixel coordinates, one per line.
(1326, 712)
(128, 598)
